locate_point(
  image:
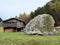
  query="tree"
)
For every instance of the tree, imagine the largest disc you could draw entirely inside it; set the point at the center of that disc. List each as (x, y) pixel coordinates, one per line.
(52, 8)
(25, 17)
(0, 19)
(0, 22)
(32, 15)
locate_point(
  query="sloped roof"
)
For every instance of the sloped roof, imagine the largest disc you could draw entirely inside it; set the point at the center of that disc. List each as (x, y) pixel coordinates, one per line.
(14, 18)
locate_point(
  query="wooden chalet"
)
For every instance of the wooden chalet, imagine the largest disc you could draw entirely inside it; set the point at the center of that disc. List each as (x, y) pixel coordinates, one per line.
(13, 25)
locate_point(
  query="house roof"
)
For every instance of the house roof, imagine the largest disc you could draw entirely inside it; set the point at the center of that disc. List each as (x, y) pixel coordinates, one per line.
(15, 19)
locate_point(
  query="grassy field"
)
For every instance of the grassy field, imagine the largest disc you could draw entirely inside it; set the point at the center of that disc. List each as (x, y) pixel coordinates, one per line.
(19, 38)
(1, 29)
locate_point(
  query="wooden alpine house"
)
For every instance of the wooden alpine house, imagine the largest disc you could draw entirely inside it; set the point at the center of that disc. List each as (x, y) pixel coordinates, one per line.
(13, 25)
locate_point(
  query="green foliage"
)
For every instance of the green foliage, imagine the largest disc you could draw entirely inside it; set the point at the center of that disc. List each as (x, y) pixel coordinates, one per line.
(54, 5)
(32, 15)
(0, 19)
(25, 17)
(52, 8)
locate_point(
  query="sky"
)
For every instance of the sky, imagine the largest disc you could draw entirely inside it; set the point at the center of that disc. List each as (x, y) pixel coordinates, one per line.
(12, 8)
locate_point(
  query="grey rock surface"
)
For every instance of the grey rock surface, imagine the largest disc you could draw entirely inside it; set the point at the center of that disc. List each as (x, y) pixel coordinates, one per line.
(41, 24)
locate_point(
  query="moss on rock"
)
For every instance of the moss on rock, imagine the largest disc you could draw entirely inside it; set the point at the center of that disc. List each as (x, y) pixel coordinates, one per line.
(44, 24)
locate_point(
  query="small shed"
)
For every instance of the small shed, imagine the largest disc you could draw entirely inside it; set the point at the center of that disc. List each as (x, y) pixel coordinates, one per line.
(13, 25)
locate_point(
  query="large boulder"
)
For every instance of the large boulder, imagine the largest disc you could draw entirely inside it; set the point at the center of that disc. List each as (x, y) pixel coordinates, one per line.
(41, 24)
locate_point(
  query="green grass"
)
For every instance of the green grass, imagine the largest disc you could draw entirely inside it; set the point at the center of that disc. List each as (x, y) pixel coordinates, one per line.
(1, 29)
(19, 38)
